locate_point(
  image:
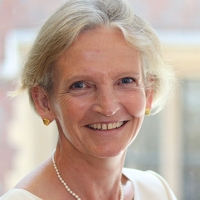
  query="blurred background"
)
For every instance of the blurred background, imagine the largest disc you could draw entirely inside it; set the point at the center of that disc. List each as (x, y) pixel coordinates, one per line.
(169, 143)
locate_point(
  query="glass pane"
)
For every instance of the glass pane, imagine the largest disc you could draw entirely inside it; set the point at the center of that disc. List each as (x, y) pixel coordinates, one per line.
(191, 139)
(143, 153)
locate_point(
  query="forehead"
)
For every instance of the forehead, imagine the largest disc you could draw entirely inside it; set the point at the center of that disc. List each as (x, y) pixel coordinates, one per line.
(103, 49)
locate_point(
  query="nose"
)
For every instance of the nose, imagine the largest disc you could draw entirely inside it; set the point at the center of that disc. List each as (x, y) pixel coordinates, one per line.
(107, 103)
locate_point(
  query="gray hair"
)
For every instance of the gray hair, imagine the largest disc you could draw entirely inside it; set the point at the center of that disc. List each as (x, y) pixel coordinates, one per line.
(76, 16)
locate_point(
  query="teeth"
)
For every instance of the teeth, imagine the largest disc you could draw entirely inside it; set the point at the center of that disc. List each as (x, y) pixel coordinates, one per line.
(110, 126)
(106, 126)
(98, 126)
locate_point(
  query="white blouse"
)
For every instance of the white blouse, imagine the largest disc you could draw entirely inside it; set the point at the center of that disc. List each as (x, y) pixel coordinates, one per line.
(147, 185)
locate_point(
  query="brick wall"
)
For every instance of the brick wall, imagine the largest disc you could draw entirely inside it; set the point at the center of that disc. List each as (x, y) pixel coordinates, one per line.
(22, 14)
(6, 150)
(165, 14)
(170, 14)
(15, 14)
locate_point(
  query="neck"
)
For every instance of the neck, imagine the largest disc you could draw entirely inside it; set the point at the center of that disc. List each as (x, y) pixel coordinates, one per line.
(84, 173)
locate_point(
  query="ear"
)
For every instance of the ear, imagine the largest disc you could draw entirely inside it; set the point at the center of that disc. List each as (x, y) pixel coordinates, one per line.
(149, 98)
(42, 103)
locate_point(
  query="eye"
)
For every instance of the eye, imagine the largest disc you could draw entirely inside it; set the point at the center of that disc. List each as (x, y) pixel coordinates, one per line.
(78, 85)
(126, 80)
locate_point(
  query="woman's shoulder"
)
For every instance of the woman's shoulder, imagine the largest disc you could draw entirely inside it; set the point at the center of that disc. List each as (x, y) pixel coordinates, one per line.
(149, 185)
(19, 194)
(145, 177)
(34, 185)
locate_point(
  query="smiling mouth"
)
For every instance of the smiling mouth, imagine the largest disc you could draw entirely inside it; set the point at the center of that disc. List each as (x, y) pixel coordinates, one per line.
(109, 126)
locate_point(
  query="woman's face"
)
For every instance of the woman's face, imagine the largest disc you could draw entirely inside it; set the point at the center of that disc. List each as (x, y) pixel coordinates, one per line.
(99, 97)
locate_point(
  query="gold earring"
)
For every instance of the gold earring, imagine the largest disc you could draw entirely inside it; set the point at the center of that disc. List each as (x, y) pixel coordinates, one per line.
(147, 111)
(46, 122)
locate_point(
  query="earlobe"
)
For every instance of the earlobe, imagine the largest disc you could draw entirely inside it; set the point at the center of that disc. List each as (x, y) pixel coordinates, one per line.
(41, 103)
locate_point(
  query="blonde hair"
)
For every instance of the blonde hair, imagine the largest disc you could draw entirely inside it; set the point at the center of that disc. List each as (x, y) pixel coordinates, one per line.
(76, 16)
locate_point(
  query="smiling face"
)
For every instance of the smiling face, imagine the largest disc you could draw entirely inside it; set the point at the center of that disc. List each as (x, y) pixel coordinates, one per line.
(99, 97)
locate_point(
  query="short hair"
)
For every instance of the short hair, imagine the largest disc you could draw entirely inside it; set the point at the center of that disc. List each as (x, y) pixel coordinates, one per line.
(76, 16)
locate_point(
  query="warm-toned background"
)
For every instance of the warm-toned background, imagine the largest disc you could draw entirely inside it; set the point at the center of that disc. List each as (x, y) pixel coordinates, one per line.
(168, 143)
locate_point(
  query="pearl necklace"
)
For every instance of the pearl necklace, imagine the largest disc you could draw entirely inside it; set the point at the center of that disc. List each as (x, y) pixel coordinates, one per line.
(69, 190)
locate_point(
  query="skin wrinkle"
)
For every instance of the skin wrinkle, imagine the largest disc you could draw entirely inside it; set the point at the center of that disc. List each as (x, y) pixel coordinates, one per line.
(111, 84)
(103, 91)
(98, 69)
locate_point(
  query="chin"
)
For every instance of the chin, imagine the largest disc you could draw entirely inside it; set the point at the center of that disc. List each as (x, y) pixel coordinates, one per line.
(110, 153)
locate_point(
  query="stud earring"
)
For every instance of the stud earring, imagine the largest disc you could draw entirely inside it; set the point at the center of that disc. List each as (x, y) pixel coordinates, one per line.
(46, 122)
(147, 111)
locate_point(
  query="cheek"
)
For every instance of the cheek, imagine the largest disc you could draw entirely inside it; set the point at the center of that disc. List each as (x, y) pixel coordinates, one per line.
(73, 110)
(135, 104)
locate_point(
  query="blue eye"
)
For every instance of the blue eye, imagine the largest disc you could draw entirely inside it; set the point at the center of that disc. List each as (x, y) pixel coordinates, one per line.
(78, 85)
(126, 80)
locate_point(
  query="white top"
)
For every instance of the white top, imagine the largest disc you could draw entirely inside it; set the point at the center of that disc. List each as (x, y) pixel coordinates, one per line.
(19, 194)
(147, 185)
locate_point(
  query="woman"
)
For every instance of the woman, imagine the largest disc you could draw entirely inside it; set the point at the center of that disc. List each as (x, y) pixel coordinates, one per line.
(95, 69)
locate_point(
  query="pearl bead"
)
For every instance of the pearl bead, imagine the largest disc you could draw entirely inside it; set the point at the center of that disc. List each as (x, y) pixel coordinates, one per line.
(69, 190)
